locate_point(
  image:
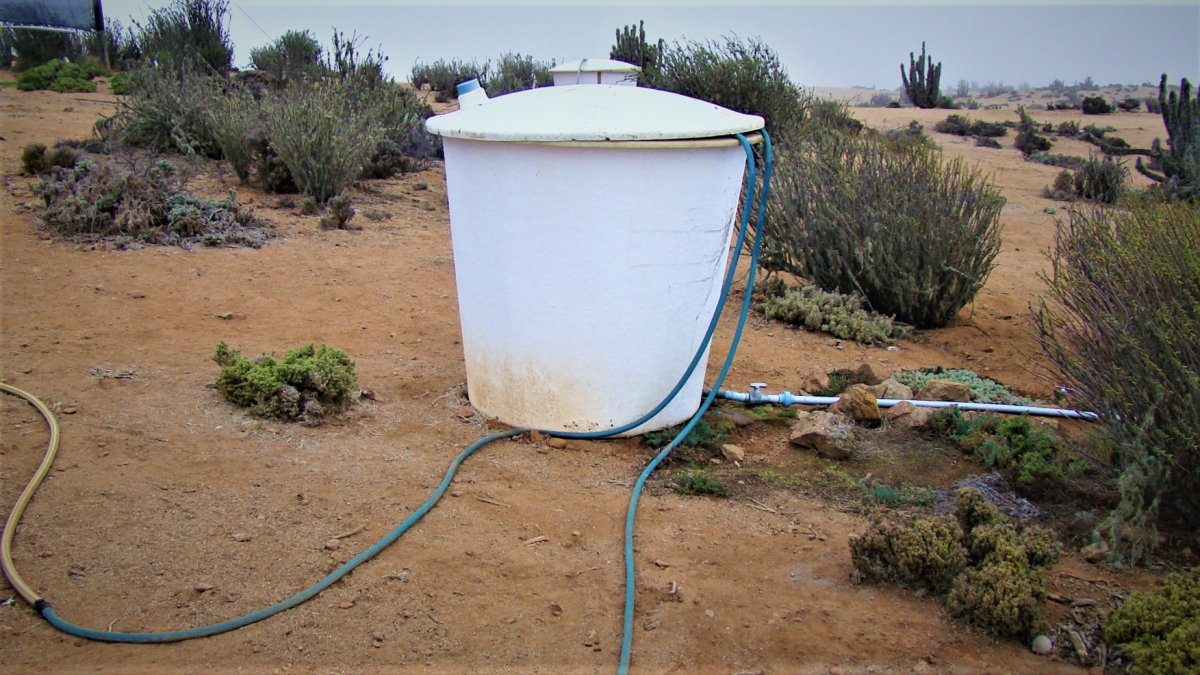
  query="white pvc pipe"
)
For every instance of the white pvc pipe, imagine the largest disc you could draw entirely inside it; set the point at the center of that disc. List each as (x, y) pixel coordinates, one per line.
(788, 399)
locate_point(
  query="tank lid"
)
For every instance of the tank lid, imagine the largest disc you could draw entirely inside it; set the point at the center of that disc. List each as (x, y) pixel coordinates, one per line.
(597, 112)
(595, 66)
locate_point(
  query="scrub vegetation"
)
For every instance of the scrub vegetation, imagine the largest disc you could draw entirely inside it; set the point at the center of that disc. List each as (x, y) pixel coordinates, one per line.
(305, 386)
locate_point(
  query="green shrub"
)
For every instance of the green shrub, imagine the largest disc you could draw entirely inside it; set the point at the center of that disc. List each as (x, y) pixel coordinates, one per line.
(1160, 629)
(986, 142)
(699, 482)
(139, 202)
(1010, 443)
(1095, 105)
(906, 494)
(339, 211)
(119, 83)
(514, 72)
(166, 111)
(703, 435)
(118, 44)
(323, 133)
(294, 55)
(57, 76)
(1101, 180)
(983, 390)
(1130, 104)
(837, 314)
(34, 47)
(234, 119)
(306, 385)
(915, 235)
(191, 32)
(405, 146)
(443, 77)
(990, 569)
(961, 125)
(36, 159)
(1119, 325)
(745, 76)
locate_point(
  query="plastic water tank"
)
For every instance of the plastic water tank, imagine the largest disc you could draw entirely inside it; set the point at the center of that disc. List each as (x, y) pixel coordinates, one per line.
(591, 228)
(595, 71)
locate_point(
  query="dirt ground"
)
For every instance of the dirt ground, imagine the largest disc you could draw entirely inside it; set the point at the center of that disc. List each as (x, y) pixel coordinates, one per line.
(134, 530)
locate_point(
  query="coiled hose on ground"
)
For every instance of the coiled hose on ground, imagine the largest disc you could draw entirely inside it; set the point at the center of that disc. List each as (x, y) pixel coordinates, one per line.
(43, 607)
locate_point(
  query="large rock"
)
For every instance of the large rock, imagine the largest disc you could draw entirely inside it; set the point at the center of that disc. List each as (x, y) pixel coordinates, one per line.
(830, 434)
(945, 390)
(817, 380)
(858, 403)
(906, 415)
(733, 453)
(892, 389)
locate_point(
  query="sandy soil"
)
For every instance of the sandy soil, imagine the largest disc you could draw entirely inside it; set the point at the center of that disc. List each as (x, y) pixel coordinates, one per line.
(134, 529)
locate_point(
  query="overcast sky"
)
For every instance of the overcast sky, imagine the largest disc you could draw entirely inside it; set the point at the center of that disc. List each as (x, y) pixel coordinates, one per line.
(856, 44)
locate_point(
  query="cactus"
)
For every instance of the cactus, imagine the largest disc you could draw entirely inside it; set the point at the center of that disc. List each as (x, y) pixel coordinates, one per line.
(632, 48)
(1180, 163)
(921, 86)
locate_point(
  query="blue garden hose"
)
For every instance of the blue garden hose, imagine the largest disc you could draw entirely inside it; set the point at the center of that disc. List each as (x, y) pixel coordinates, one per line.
(43, 607)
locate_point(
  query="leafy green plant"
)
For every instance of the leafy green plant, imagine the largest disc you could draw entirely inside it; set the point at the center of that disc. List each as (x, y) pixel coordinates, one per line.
(990, 571)
(57, 76)
(140, 202)
(983, 390)
(1160, 629)
(166, 111)
(34, 47)
(443, 77)
(515, 72)
(1014, 443)
(294, 55)
(703, 435)
(837, 314)
(916, 236)
(743, 75)
(1029, 141)
(961, 125)
(890, 495)
(1118, 324)
(699, 482)
(119, 83)
(1095, 105)
(306, 385)
(189, 32)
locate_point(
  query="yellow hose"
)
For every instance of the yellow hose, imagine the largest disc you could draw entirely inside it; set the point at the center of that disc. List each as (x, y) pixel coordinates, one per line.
(10, 527)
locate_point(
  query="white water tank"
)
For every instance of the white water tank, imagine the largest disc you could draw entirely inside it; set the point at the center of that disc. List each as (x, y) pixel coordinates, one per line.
(595, 71)
(591, 227)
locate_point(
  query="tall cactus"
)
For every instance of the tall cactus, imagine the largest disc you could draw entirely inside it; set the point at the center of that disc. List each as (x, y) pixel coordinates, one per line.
(632, 48)
(1180, 163)
(921, 84)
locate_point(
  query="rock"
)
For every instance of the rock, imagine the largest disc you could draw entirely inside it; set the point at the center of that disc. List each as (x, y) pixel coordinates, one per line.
(250, 425)
(1042, 646)
(241, 536)
(224, 315)
(892, 389)
(557, 443)
(378, 636)
(944, 390)
(865, 375)
(816, 381)
(831, 435)
(536, 436)
(1094, 553)
(345, 605)
(466, 412)
(733, 453)
(70, 410)
(333, 545)
(709, 613)
(556, 609)
(739, 419)
(137, 296)
(200, 588)
(906, 415)
(858, 403)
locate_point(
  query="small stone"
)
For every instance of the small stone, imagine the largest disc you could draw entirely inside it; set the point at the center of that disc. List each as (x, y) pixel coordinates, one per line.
(733, 453)
(945, 390)
(241, 536)
(859, 404)
(200, 588)
(224, 315)
(557, 443)
(345, 605)
(865, 375)
(1094, 553)
(556, 609)
(907, 415)
(333, 545)
(536, 436)
(466, 412)
(709, 613)
(137, 296)
(456, 493)
(892, 389)
(377, 636)
(1042, 646)
(830, 435)
(70, 410)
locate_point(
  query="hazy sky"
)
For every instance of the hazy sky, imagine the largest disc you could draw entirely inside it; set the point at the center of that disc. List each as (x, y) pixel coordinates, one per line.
(820, 44)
